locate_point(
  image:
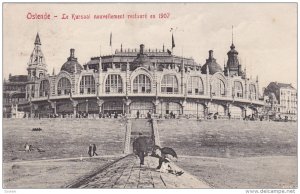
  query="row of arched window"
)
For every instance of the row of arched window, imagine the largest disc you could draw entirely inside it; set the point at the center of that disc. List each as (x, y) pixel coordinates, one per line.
(142, 84)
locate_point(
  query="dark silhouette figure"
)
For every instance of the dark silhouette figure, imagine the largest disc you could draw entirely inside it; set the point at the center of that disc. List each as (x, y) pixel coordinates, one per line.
(94, 150)
(229, 115)
(149, 115)
(138, 114)
(90, 150)
(140, 147)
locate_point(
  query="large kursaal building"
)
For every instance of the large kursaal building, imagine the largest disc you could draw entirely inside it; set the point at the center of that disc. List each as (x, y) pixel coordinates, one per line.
(132, 80)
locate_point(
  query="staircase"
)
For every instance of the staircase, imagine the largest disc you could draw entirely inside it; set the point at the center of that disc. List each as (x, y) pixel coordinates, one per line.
(143, 126)
(146, 127)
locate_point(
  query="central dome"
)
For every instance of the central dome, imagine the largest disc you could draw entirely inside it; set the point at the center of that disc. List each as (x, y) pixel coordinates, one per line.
(142, 59)
(72, 65)
(212, 64)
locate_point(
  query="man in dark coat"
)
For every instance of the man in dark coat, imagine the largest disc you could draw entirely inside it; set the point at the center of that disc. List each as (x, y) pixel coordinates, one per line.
(90, 150)
(140, 147)
(94, 150)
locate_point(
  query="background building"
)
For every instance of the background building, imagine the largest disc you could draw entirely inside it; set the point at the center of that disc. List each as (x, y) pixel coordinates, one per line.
(14, 94)
(141, 80)
(283, 100)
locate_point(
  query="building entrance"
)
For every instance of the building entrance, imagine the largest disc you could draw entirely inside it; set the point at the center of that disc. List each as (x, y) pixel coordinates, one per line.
(143, 107)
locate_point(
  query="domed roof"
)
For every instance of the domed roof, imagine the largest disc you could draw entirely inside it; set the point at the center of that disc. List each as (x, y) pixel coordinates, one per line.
(142, 59)
(72, 65)
(212, 64)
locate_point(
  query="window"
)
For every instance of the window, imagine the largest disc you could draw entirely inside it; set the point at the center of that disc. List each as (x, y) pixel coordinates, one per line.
(141, 84)
(238, 89)
(113, 84)
(87, 85)
(218, 88)
(44, 88)
(169, 84)
(195, 85)
(64, 86)
(252, 92)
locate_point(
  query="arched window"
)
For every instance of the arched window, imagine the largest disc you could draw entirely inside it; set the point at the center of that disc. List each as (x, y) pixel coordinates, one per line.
(252, 92)
(238, 89)
(195, 85)
(218, 88)
(87, 85)
(44, 88)
(63, 86)
(113, 84)
(141, 84)
(169, 84)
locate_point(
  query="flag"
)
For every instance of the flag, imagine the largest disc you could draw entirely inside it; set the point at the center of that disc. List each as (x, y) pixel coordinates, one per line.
(173, 42)
(169, 52)
(110, 43)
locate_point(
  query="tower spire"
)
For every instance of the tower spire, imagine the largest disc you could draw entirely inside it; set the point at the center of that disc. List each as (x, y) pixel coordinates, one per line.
(37, 40)
(232, 45)
(232, 34)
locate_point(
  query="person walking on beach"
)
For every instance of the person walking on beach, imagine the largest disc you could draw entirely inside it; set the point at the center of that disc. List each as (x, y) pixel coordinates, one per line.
(27, 147)
(140, 147)
(90, 150)
(94, 150)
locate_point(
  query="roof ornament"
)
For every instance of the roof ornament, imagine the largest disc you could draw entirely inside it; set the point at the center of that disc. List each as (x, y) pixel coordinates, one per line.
(232, 45)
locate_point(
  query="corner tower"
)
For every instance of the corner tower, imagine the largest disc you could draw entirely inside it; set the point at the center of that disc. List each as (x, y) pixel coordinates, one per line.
(36, 66)
(233, 66)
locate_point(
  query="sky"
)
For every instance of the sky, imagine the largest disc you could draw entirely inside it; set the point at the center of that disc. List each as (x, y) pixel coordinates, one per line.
(264, 34)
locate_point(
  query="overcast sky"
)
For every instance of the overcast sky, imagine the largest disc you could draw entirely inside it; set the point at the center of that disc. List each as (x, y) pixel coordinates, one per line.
(265, 34)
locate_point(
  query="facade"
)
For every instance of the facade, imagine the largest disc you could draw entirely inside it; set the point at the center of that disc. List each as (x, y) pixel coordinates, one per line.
(282, 98)
(14, 95)
(141, 80)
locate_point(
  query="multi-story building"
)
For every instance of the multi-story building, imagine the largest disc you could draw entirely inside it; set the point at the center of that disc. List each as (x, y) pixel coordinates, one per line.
(14, 94)
(142, 80)
(285, 98)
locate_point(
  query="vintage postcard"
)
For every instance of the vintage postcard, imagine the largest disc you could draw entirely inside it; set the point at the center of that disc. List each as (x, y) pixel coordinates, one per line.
(150, 95)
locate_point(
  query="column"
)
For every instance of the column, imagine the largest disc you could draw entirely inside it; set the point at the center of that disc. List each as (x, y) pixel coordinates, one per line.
(183, 103)
(128, 101)
(87, 106)
(244, 113)
(100, 103)
(16, 110)
(206, 107)
(227, 109)
(54, 104)
(161, 108)
(74, 103)
(197, 110)
(156, 104)
(31, 109)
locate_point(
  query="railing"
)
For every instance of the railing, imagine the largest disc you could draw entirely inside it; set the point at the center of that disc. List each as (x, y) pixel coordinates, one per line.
(145, 94)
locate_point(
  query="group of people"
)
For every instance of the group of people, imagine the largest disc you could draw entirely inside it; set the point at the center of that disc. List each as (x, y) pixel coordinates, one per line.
(141, 148)
(92, 150)
(109, 115)
(149, 115)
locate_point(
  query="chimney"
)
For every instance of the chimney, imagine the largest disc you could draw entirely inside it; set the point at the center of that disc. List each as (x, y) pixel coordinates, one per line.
(72, 53)
(142, 49)
(211, 54)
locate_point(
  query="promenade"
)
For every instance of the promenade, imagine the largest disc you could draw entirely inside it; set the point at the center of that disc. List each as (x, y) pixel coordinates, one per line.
(126, 173)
